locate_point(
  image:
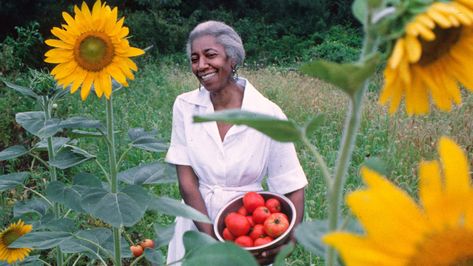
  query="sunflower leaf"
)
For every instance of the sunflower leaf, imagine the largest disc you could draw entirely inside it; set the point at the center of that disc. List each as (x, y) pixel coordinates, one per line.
(41, 240)
(124, 208)
(309, 235)
(176, 208)
(348, 76)
(219, 254)
(277, 129)
(147, 174)
(12, 180)
(12, 152)
(285, 252)
(80, 122)
(146, 140)
(154, 256)
(163, 234)
(70, 157)
(359, 9)
(23, 90)
(66, 195)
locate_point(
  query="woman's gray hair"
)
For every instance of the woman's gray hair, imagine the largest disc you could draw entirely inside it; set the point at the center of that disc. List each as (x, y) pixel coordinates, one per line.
(224, 34)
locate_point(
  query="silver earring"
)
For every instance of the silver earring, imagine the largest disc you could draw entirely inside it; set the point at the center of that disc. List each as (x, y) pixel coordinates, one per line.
(234, 73)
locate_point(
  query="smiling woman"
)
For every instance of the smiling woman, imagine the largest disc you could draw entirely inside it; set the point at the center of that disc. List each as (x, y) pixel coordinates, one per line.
(217, 162)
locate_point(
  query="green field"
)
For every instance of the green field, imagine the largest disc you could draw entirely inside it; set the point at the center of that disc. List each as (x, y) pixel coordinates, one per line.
(396, 142)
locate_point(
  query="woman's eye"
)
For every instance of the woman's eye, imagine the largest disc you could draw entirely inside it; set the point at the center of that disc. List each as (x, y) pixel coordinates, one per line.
(211, 55)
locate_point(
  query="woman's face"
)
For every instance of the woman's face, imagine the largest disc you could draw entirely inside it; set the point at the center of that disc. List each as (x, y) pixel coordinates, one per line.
(210, 63)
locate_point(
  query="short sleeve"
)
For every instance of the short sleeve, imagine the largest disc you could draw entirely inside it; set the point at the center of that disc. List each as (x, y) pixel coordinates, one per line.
(177, 152)
(285, 173)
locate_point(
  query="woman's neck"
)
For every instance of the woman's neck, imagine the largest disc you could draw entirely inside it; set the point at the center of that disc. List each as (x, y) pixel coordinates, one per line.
(230, 97)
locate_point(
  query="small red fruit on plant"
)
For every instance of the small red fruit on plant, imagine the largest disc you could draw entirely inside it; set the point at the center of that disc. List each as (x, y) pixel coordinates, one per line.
(242, 211)
(252, 200)
(137, 250)
(260, 214)
(147, 243)
(263, 241)
(276, 224)
(237, 224)
(227, 235)
(257, 232)
(244, 241)
(273, 205)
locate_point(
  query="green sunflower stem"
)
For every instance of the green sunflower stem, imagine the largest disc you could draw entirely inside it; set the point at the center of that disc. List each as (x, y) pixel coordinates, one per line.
(52, 173)
(112, 159)
(347, 144)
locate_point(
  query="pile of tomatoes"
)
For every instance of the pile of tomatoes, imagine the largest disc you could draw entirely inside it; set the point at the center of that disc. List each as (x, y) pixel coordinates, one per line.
(138, 249)
(256, 223)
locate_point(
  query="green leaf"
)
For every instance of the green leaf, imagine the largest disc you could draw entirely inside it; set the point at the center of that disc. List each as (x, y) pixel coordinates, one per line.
(154, 173)
(154, 256)
(80, 122)
(163, 234)
(176, 208)
(86, 179)
(84, 134)
(34, 206)
(124, 208)
(51, 127)
(195, 240)
(226, 253)
(58, 142)
(40, 240)
(70, 157)
(31, 121)
(348, 76)
(278, 129)
(58, 225)
(309, 235)
(12, 180)
(146, 140)
(359, 9)
(87, 241)
(12, 152)
(23, 90)
(283, 254)
(313, 124)
(66, 195)
(376, 164)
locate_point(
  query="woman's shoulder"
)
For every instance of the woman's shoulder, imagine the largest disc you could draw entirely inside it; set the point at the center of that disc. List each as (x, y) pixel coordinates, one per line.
(259, 103)
(192, 98)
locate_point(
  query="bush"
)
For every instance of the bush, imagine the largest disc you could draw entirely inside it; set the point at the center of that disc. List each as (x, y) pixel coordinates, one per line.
(24, 50)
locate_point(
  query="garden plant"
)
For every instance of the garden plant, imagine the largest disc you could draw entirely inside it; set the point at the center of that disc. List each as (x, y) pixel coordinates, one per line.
(428, 48)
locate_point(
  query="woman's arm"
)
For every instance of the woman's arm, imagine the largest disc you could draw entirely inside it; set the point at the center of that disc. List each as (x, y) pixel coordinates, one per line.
(189, 188)
(297, 198)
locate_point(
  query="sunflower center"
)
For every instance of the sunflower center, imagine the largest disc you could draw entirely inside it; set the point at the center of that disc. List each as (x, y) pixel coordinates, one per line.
(444, 40)
(453, 247)
(94, 51)
(10, 236)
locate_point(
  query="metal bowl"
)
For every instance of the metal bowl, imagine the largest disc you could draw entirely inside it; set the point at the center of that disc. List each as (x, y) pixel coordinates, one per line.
(287, 207)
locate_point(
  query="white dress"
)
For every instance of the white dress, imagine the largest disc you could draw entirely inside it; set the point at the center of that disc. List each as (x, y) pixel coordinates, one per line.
(232, 167)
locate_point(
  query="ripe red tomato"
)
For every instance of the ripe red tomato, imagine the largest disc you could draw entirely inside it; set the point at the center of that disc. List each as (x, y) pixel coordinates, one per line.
(242, 211)
(237, 224)
(276, 224)
(147, 243)
(227, 235)
(250, 220)
(137, 250)
(273, 205)
(257, 232)
(260, 214)
(252, 200)
(263, 241)
(244, 241)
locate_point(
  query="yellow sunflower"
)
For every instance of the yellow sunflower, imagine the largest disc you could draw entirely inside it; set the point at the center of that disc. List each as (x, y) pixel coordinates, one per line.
(434, 54)
(8, 236)
(399, 231)
(91, 50)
